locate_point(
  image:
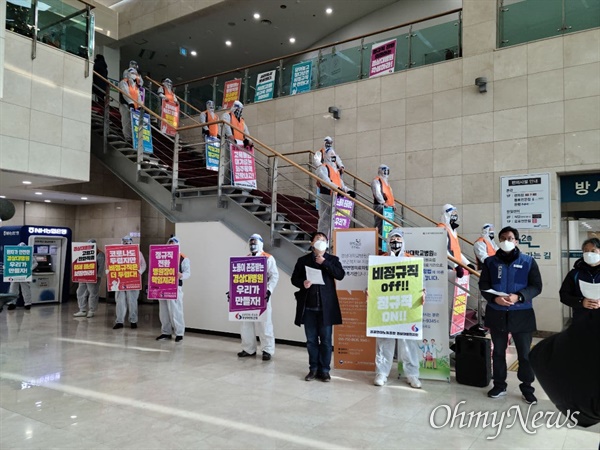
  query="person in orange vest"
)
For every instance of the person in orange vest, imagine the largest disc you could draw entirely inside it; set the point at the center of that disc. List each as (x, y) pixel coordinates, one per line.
(235, 118)
(320, 155)
(329, 172)
(209, 116)
(485, 245)
(382, 194)
(450, 223)
(263, 329)
(131, 99)
(134, 65)
(165, 91)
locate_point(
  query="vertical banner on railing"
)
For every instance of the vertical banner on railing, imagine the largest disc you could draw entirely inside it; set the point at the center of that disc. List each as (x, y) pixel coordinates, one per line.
(247, 288)
(301, 77)
(388, 213)
(213, 152)
(430, 244)
(231, 92)
(147, 132)
(459, 305)
(243, 169)
(383, 58)
(17, 263)
(163, 273)
(343, 212)
(170, 116)
(353, 349)
(265, 86)
(83, 262)
(123, 264)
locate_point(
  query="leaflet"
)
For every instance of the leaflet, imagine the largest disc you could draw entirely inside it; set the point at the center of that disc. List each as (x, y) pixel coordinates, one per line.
(314, 275)
(590, 290)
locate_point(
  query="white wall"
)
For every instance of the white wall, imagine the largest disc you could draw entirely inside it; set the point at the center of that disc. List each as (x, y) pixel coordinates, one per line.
(209, 246)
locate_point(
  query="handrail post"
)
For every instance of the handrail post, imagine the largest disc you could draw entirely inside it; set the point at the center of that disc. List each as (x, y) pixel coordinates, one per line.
(186, 95)
(410, 36)
(280, 84)
(274, 173)
(362, 56)
(221, 176)
(331, 224)
(106, 118)
(140, 141)
(311, 184)
(318, 70)
(460, 21)
(175, 174)
(214, 94)
(246, 87)
(35, 29)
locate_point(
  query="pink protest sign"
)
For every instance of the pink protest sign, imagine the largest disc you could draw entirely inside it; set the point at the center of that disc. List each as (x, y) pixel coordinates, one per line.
(243, 169)
(163, 276)
(123, 264)
(383, 58)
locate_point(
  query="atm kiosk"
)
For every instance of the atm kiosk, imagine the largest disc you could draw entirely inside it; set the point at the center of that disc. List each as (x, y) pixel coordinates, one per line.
(52, 253)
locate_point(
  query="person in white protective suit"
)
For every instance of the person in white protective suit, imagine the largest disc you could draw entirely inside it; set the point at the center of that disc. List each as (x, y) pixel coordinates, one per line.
(450, 222)
(320, 155)
(134, 65)
(88, 293)
(382, 194)
(208, 115)
(264, 330)
(485, 246)
(233, 136)
(408, 349)
(171, 311)
(25, 287)
(131, 99)
(125, 299)
(329, 172)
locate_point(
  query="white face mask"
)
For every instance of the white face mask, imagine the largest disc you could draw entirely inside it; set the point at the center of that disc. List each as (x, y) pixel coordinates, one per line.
(591, 258)
(320, 246)
(507, 246)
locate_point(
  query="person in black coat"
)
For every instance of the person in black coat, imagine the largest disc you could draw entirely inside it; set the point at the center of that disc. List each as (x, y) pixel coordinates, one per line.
(99, 87)
(317, 305)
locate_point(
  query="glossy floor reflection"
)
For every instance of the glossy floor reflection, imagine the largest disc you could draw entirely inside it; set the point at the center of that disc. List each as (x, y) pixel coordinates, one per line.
(70, 382)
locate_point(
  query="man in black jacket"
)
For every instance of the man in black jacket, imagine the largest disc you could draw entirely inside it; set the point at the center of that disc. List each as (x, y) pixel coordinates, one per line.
(317, 306)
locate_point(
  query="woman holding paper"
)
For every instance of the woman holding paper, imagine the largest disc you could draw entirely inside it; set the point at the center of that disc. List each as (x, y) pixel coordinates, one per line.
(581, 287)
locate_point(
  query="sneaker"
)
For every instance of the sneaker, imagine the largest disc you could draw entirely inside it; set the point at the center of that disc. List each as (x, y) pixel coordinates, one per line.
(90, 314)
(117, 326)
(496, 392)
(380, 380)
(133, 326)
(310, 376)
(80, 314)
(245, 354)
(414, 382)
(325, 377)
(164, 337)
(529, 398)
(12, 306)
(178, 338)
(27, 307)
(266, 356)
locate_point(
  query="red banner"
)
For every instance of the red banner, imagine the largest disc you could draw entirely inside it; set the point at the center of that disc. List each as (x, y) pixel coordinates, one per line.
(170, 114)
(83, 262)
(231, 92)
(123, 264)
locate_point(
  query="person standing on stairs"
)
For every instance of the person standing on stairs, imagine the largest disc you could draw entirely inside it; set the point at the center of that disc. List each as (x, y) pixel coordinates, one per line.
(237, 135)
(131, 99)
(383, 196)
(485, 246)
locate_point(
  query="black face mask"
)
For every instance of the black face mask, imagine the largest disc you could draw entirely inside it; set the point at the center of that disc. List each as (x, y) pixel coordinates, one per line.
(491, 236)
(395, 245)
(238, 114)
(253, 248)
(454, 222)
(333, 159)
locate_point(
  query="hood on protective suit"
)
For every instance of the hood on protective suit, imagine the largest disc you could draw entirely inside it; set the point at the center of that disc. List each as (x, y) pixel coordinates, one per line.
(173, 240)
(259, 243)
(448, 211)
(396, 232)
(487, 229)
(383, 171)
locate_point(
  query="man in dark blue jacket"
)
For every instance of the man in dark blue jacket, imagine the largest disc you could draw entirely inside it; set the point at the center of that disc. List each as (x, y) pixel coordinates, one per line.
(514, 280)
(317, 305)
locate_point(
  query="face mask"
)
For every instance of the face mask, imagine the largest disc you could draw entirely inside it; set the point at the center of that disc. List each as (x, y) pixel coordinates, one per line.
(591, 258)
(253, 248)
(320, 246)
(491, 235)
(238, 114)
(396, 245)
(506, 246)
(385, 172)
(333, 159)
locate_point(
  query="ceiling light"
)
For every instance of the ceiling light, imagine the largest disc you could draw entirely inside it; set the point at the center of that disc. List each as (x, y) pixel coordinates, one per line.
(38, 193)
(329, 10)
(193, 53)
(292, 40)
(256, 15)
(83, 198)
(228, 43)
(26, 182)
(2, 196)
(47, 201)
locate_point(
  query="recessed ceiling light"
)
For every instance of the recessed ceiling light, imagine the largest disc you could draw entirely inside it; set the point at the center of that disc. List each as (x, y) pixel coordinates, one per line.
(47, 201)
(193, 53)
(292, 40)
(39, 193)
(329, 10)
(2, 196)
(256, 15)
(83, 198)
(26, 182)
(228, 43)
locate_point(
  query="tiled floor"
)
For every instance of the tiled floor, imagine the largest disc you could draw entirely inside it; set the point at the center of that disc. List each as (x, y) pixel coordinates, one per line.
(67, 382)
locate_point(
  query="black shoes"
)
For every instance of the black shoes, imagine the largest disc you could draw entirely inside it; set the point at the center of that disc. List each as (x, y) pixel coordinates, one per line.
(312, 375)
(27, 307)
(266, 356)
(133, 326)
(529, 398)
(178, 338)
(164, 337)
(245, 354)
(11, 307)
(324, 377)
(496, 392)
(117, 326)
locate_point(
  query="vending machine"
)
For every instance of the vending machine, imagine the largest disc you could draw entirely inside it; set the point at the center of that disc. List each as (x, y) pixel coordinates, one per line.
(51, 252)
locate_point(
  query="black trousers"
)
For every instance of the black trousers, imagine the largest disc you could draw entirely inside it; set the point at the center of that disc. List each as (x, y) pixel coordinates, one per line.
(523, 345)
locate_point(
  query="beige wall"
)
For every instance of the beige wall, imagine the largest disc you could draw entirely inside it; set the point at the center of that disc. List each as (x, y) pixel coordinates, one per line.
(45, 111)
(448, 143)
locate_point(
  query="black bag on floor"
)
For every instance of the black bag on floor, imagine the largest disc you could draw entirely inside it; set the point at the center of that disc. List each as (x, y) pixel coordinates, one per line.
(473, 360)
